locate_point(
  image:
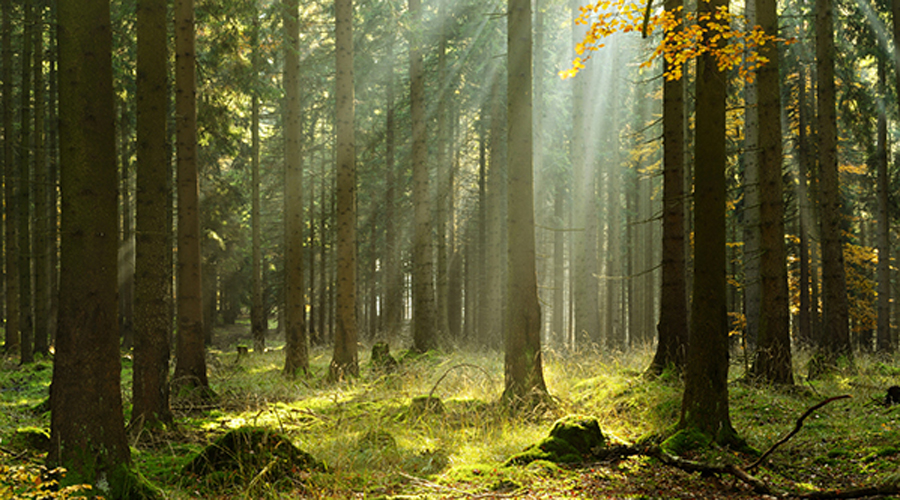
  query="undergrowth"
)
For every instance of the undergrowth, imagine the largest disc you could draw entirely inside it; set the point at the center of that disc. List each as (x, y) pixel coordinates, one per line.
(373, 443)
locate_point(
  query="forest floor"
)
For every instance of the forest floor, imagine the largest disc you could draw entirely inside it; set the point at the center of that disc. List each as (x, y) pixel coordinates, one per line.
(374, 444)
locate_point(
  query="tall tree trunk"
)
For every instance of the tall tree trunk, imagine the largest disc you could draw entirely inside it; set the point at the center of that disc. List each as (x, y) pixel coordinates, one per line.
(835, 334)
(883, 342)
(23, 188)
(53, 175)
(773, 363)
(424, 319)
(558, 329)
(442, 212)
(392, 292)
(152, 321)
(481, 267)
(11, 342)
(86, 422)
(752, 284)
(704, 406)
(41, 235)
(190, 369)
(296, 353)
(496, 206)
(804, 317)
(584, 249)
(324, 286)
(258, 318)
(525, 386)
(344, 361)
(672, 328)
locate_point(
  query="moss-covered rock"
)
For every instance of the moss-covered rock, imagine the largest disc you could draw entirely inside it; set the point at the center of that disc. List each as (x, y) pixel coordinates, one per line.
(572, 439)
(250, 453)
(685, 440)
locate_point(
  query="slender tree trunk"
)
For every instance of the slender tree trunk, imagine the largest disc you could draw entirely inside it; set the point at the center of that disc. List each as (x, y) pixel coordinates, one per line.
(558, 329)
(23, 188)
(152, 320)
(835, 335)
(752, 252)
(41, 234)
(324, 287)
(53, 175)
(672, 328)
(12, 344)
(344, 361)
(190, 369)
(481, 262)
(525, 386)
(392, 298)
(424, 313)
(705, 403)
(804, 317)
(442, 195)
(584, 260)
(773, 362)
(883, 341)
(86, 422)
(258, 318)
(296, 353)
(497, 210)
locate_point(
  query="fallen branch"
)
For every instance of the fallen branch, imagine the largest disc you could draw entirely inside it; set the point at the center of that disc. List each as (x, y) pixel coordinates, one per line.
(759, 486)
(869, 491)
(796, 429)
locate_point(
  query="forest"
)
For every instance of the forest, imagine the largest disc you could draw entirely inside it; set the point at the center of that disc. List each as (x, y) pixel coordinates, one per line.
(449, 249)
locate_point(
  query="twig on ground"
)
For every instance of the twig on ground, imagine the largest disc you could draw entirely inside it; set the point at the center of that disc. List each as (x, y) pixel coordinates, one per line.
(796, 429)
(758, 485)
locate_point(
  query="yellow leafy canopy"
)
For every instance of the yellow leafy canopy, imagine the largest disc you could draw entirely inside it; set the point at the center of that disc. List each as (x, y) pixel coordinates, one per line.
(685, 36)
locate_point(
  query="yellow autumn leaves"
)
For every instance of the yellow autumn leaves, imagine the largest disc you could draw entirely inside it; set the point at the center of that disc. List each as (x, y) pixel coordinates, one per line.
(686, 35)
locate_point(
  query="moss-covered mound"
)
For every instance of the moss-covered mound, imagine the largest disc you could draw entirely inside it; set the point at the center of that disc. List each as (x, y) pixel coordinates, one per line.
(572, 439)
(250, 453)
(382, 361)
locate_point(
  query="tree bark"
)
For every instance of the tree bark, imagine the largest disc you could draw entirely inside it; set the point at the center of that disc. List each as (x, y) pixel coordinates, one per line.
(23, 196)
(11, 342)
(424, 311)
(258, 320)
(344, 361)
(525, 387)
(152, 320)
(41, 235)
(190, 369)
(773, 363)
(835, 334)
(704, 406)
(672, 328)
(86, 423)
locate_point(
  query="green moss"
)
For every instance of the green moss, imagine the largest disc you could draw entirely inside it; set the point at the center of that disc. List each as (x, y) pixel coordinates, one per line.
(685, 440)
(572, 439)
(249, 453)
